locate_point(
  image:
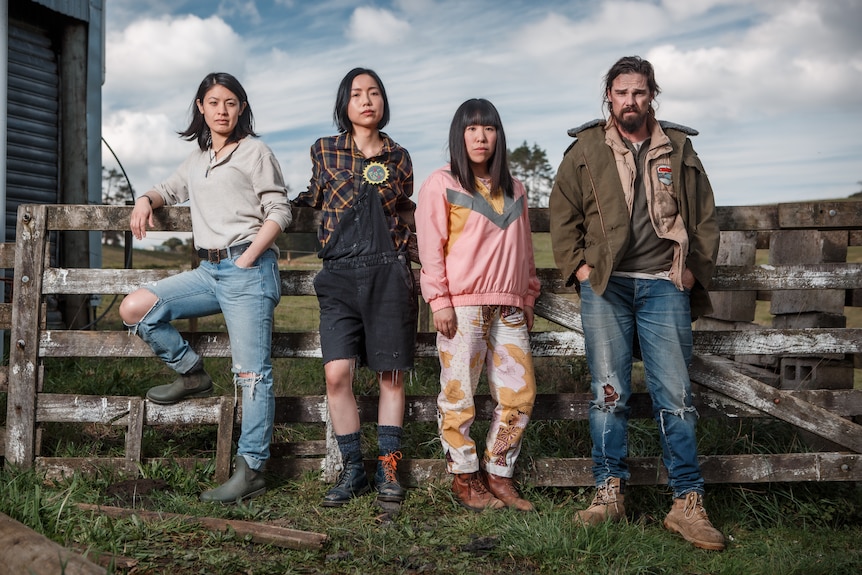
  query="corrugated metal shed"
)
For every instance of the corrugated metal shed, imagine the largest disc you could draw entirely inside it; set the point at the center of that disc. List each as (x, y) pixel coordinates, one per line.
(79, 9)
(32, 132)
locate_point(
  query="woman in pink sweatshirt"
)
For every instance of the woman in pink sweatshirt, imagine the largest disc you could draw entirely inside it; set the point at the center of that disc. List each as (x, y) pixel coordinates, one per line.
(479, 277)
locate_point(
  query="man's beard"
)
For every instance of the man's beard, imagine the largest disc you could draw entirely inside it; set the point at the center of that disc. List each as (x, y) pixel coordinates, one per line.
(632, 123)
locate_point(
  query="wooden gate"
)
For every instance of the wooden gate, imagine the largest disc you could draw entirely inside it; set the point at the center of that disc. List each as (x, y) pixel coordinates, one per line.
(734, 369)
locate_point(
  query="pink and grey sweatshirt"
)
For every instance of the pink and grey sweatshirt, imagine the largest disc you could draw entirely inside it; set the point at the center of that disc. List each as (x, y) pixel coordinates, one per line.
(471, 253)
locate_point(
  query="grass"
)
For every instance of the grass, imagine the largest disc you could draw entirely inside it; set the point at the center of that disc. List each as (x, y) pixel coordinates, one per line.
(772, 529)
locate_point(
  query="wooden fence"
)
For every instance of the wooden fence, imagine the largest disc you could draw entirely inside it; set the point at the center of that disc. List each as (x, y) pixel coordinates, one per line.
(795, 371)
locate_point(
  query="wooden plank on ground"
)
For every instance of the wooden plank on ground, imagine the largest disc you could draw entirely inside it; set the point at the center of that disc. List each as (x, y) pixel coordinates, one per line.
(258, 532)
(717, 377)
(23, 550)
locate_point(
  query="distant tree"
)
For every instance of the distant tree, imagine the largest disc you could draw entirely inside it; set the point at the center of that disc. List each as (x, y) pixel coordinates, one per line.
(530, 165)
(859, 193)
(173, 244)
(115, 188)
(115, 191)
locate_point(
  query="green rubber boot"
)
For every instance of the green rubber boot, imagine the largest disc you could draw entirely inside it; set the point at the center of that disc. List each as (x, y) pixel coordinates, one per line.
(198, 384)
(245, 483)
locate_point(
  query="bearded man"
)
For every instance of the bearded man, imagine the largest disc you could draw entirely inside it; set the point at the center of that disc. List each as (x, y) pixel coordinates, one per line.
(633, 228)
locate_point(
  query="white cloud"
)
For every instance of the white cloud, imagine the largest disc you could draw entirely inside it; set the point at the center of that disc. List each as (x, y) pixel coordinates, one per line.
(147, 144)
(777, 68)
(376, 26)
(782, 75)
(150, 54)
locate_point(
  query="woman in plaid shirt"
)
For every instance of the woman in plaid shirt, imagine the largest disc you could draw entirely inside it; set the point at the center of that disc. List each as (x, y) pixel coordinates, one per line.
(361, 180)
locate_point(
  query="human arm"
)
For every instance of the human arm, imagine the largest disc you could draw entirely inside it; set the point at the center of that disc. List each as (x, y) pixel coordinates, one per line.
(174, 188)
(313, 195)
(534, 287)
(405, 208)
(142, 213)
(432, 234)
(529, 316)
(270, 190)
(567, 223)
(701, 224)
(264, 239)
(446, 322)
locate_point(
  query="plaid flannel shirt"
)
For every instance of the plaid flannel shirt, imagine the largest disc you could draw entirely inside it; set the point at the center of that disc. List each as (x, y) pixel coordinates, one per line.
(337, 166)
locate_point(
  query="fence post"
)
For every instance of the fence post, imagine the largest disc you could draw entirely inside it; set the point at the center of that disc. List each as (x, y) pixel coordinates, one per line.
(332, 461)
(30, 253)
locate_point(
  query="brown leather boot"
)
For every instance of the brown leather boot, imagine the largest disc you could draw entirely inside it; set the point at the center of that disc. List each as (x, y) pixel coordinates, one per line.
(503, 488)
(608, 504)
(471, 492)
(688, 518)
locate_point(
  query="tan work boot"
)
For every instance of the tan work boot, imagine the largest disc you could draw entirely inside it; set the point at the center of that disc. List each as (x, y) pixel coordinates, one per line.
(688, 518)
(608, 504)
(503, 488)
(471, 492)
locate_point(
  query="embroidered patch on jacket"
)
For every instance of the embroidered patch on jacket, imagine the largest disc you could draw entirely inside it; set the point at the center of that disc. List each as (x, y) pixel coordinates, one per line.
(375, 173)
(665, 174)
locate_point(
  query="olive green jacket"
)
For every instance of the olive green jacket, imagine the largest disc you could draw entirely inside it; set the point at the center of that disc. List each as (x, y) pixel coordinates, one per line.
(590, 207)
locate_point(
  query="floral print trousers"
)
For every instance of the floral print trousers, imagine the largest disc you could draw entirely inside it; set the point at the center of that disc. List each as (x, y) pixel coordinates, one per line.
(495, 337)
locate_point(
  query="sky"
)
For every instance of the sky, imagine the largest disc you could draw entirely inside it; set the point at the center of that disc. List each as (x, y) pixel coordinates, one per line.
(774, 87)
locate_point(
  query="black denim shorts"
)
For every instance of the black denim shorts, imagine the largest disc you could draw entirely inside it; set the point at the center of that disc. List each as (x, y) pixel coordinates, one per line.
(368, 311)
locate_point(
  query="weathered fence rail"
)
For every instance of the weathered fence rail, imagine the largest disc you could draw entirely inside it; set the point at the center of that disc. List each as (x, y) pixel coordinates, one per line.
(740, 370)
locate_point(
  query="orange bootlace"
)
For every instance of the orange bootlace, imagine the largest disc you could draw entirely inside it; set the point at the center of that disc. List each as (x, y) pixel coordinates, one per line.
(389, 464)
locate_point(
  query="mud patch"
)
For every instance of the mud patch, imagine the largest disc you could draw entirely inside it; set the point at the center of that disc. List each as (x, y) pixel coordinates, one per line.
(133, 492)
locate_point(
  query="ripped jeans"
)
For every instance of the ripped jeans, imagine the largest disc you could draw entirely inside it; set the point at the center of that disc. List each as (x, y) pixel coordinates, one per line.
(247, 299)
(658, 314)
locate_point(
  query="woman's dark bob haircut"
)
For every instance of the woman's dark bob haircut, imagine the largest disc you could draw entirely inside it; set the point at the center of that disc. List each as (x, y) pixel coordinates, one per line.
(198, 129)
(342, 100)
(478, 112)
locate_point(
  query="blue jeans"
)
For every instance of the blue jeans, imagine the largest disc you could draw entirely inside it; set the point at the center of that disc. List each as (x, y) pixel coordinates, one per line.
(659, 314)
(247, 299)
